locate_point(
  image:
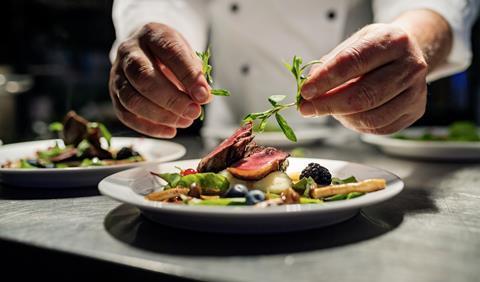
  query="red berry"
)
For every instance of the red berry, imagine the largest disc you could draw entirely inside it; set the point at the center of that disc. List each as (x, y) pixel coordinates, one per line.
(188, 171)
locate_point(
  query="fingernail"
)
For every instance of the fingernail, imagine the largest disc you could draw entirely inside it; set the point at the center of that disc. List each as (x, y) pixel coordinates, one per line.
(307, 109)
(309, 91)
(200, 93)
(192, 111)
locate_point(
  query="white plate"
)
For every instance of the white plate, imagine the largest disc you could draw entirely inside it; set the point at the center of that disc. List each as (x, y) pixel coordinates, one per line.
(430, 150)
(274, 138)
(129, 187)
(153, 151)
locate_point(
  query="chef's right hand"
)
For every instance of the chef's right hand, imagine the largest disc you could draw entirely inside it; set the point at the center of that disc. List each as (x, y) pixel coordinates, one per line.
(156, 82)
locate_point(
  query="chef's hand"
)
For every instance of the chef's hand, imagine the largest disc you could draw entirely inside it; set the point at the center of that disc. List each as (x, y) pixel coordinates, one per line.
(375, 81)
(156, 82)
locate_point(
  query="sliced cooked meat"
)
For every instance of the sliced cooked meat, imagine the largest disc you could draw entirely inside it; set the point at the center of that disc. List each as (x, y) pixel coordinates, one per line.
(74, 128)
(259, 162)
(68, 154)
(229, 151)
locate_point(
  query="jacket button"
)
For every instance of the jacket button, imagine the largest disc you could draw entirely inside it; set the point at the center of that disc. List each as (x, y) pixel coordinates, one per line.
(245, 69)
(331, 15)
(234, 7)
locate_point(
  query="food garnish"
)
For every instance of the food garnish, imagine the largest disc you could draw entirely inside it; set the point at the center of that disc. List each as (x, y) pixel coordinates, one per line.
(83, 144)
(460, 131)
(241, 173)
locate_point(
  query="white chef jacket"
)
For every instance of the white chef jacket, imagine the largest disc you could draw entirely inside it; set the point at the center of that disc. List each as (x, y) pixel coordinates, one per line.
(250, 39)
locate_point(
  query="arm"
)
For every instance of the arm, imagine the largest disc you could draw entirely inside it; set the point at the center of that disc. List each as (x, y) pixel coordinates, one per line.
(375, 81)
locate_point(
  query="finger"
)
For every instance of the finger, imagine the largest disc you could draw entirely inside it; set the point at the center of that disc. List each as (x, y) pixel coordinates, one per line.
(367, 53)
(367, 92)
(135, 103)
(152, 84)
(141, 125)
(401, 123)
(172, 50)
(409, 102)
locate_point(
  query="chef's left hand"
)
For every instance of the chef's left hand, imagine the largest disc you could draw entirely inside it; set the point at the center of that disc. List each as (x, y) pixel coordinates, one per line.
(373, 82)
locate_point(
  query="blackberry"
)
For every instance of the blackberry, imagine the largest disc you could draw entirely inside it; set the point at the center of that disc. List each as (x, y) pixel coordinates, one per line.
(125, 153)
(320, 174)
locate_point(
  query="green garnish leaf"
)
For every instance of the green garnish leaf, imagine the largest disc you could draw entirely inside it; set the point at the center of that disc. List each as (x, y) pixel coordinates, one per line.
(171, 178)
(287, 130)
(206, 67)
(55, 127)
(202, 114)
(336, 180)
(82, 147)
(25, 164)
(304, 185)
(220, 92)
(275, 99)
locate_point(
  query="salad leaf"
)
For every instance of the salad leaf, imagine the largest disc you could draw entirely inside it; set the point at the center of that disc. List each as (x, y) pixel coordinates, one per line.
(210, 183)
(25, 164)
(336, 180)
(55, 127)
(50, 153)
(304, 185)
(82, 147)
(463, 131)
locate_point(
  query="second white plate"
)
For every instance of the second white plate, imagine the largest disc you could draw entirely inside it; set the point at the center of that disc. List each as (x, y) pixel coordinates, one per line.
(428, 150)
(151, 149)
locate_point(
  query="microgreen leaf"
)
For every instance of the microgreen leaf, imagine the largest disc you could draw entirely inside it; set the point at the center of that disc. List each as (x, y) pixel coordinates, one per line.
(220, 92)
(55, 126)
(261, 126)
(206, 67)
(275, 99)
(287, 130)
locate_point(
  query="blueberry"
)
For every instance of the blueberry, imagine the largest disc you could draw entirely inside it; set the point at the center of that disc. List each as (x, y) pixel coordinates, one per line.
(237, 191)
(254, 197)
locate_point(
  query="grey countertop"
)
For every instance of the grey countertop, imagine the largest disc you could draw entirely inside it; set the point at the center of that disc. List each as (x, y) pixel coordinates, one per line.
(429, 232)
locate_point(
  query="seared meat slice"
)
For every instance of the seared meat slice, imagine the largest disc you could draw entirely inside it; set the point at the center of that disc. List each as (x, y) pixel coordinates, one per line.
(74, 128)
(259, 162)
(229, 151)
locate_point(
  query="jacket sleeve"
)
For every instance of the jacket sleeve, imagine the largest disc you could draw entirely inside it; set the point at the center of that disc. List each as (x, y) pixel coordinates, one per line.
(460, 14)
(189, 17)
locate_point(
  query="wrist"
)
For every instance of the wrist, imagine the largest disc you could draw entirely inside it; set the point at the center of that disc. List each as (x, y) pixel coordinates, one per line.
(430, 31)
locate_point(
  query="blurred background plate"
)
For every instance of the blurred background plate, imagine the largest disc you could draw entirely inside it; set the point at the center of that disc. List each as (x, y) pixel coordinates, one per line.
(151, 149)
(428, 150)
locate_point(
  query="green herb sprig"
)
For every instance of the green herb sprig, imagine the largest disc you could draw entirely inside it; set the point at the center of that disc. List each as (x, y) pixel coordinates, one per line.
(207, 71)
(297, 69)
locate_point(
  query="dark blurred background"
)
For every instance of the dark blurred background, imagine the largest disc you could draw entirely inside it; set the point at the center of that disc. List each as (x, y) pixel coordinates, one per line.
(54, 57)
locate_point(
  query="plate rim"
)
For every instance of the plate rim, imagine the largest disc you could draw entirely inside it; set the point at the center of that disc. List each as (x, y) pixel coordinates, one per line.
(396, 187)
(182, 151)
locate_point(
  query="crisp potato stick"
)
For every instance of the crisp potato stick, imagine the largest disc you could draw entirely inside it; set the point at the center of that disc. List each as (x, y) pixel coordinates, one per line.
(364, 186)
(167, 194)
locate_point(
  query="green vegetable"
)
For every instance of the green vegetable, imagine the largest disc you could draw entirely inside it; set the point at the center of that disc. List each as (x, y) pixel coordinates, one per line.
(297, 69)
(103, 130)
(25, 164)
(354, 195)
(463, 131)
(336, 180)
(339, 197)
(91, 162)
(305, 200)
(304, 186)
(46, 155)
(61, 165)
(221, 202)
(207, 71)
(82, 147)
(55, 126)
(210, 183)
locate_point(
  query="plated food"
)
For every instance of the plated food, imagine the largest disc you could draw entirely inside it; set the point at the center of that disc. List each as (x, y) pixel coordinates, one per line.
(240, 172)
(83, 144)
(459, 142)
(460, 131)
